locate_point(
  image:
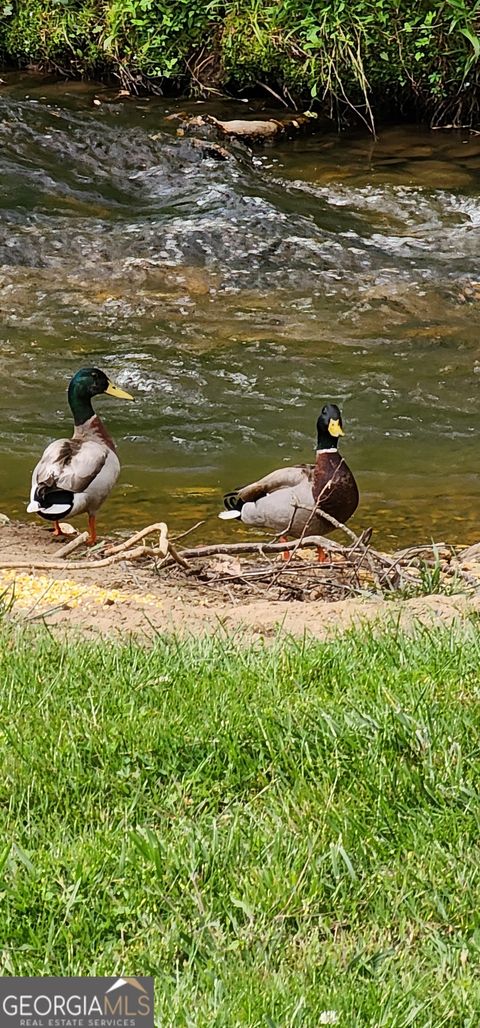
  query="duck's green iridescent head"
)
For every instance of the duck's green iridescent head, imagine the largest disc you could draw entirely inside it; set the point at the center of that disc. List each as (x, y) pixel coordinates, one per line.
(89, 382)
(329, 427)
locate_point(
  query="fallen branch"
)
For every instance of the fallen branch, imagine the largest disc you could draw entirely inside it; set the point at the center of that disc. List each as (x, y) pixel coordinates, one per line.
(188, 531)
(261, 548)
(159, 527)
(70, 547)
(121, 551)
(178, 557)
(416, 551)
(165, 546)
(78, 565)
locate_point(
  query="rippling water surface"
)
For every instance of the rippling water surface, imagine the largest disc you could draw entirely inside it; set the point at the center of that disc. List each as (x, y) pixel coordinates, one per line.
(233, 297)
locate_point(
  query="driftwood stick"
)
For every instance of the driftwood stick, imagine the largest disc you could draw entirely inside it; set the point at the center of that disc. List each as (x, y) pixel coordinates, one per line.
(55, 565)
(70, 547)
(317, 509)
(178, 558)
(124, 551)
(362, 541)
(416, 551)
(308, 541)
(160, 527)
(80, 565)
(358, 540)
(165, 547)
(188, 531)
(469, 552)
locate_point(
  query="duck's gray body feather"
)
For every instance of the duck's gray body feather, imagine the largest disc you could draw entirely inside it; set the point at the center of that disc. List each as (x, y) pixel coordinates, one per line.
(283, 490)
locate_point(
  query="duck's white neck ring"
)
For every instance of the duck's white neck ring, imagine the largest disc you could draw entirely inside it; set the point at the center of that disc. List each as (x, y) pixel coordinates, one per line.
(329, 449)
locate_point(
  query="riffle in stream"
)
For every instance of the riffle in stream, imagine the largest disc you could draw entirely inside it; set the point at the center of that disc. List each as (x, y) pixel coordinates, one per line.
(233, 298)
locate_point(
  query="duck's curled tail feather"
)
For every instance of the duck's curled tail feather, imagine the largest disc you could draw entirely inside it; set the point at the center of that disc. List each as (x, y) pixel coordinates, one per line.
(51, 503)
(233, 506)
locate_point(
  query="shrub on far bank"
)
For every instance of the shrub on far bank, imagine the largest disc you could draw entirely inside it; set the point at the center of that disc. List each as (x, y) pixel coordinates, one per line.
(393, 55)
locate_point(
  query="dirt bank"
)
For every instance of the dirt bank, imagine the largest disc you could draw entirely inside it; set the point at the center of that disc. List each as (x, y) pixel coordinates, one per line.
(129, 597)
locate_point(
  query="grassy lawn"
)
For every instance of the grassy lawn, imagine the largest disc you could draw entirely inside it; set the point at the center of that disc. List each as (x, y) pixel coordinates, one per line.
(274, 834)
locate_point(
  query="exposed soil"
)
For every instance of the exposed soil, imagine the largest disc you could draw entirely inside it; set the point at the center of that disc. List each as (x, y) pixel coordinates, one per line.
(134, 598)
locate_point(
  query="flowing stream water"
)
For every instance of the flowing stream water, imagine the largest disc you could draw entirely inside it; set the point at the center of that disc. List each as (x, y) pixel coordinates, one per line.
(233, 297)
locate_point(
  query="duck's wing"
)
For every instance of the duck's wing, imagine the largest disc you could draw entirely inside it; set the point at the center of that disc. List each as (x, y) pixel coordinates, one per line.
(283, 478)
(70, 464)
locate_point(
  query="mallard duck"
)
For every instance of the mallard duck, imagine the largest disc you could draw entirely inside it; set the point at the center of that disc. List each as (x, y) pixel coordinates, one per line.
(269, 503)
(75, 475)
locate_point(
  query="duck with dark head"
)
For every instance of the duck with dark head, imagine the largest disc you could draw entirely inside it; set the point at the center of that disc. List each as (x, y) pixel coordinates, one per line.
(75, 476)
(270, 503)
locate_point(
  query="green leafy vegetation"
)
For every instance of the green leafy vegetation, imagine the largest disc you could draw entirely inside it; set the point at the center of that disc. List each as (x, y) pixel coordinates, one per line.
(272, 832)
(361, 54)
(156, 36)
(61, 33)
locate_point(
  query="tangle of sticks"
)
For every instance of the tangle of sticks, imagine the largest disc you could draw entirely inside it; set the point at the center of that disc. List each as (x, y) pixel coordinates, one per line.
(349, 569)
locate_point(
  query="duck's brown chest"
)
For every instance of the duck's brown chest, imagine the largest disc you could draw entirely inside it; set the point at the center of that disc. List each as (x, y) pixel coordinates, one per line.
(334, 486)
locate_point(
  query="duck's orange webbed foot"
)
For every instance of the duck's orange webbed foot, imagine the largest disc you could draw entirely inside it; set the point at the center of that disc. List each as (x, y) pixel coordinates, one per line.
(286, 553)
(57, 531)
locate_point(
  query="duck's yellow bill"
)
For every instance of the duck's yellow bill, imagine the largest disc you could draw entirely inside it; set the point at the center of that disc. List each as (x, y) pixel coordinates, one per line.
(334, 428)
(114, 390)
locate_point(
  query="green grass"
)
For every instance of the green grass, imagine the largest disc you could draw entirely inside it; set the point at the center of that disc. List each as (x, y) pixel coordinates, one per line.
(271, 832)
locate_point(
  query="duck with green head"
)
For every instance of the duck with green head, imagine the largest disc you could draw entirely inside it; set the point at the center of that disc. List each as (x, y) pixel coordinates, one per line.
(283, 500)
(75, 476)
